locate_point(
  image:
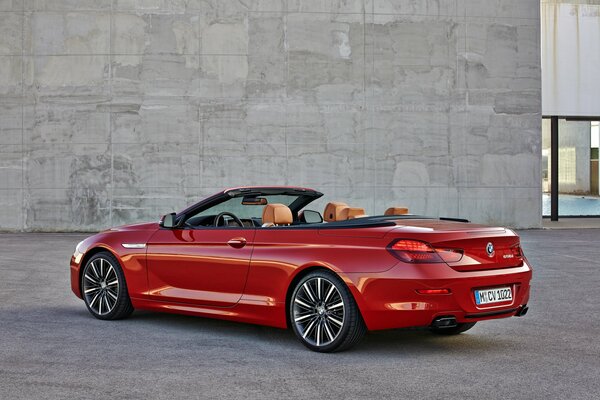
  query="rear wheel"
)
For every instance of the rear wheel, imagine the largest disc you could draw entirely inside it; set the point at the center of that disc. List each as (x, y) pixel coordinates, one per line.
(104, 289)
(455, 330)
(323, 313)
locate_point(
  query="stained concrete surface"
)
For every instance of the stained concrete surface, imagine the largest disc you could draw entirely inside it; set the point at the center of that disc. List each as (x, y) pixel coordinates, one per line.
(52, 348)
(115, 111)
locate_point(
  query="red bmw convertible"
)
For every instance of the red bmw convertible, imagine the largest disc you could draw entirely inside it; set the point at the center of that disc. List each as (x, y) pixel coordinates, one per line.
(258, 255)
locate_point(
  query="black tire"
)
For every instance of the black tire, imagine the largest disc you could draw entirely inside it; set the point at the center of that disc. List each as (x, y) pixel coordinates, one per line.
(319, 305)
(103, 298)
(460, 328)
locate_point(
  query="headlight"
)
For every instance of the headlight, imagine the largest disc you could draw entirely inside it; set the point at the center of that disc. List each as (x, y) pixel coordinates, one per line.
(78, 253)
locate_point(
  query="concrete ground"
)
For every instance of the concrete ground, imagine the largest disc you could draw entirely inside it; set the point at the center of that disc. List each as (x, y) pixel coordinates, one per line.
(50, 347)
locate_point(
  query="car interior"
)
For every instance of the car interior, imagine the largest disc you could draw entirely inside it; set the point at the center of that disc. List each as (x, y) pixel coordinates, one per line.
(246, 212)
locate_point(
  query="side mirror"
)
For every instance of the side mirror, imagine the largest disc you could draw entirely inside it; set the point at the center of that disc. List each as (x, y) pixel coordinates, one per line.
(168, 221)
(312, 217)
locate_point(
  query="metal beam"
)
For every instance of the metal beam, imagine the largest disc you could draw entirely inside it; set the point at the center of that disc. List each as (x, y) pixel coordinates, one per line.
(554, 168)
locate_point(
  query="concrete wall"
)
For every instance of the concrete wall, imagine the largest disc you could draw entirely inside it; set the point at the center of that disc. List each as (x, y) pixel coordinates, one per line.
(119, 111)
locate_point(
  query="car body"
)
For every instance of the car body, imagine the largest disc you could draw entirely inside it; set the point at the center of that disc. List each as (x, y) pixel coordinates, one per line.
(400, 270)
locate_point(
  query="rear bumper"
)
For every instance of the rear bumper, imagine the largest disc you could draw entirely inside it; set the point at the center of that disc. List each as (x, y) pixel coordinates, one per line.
(390, 299)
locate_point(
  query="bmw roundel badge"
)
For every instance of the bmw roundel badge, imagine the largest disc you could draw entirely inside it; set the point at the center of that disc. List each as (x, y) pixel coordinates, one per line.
(489, 249)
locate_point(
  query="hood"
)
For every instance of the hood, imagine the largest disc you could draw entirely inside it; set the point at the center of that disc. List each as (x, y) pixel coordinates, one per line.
(146, 226)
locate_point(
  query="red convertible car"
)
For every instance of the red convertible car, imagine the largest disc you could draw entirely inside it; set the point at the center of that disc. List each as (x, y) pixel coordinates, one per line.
(258, 255)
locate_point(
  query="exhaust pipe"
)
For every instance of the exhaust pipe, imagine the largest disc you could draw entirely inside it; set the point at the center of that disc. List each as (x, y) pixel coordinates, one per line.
(444, 322)
(522, 311)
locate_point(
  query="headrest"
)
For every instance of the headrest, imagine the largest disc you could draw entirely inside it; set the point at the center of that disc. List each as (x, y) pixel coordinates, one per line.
(396, 211)
(333, 211)
(277, 214)
(353, 212)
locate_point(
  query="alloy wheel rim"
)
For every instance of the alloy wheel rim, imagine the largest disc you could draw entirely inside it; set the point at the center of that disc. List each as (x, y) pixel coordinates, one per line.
(318, 311)
(101, 286)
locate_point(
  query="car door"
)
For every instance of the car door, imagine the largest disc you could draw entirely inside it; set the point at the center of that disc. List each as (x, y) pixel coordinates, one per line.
(206, 267)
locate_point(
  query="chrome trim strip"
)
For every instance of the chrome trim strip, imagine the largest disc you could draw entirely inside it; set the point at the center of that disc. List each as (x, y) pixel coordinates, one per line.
(134, 245)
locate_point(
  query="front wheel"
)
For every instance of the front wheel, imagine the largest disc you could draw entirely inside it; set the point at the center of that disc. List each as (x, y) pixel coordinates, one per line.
(455, 330)
(104, 288)
(323, 313)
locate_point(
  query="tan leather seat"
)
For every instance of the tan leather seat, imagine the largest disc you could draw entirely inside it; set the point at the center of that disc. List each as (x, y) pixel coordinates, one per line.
(396, 211)
(276, 214)
(334, 211)
(354, 212)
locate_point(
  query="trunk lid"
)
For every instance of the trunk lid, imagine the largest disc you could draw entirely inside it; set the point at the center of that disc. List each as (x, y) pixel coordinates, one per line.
(483, 247)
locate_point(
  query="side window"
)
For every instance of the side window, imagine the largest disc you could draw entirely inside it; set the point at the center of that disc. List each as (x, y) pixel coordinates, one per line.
(249, 214)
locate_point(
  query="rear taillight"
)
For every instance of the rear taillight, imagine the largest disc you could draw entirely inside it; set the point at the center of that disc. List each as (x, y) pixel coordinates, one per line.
(450, 255)
(516, 251)
(415, 251)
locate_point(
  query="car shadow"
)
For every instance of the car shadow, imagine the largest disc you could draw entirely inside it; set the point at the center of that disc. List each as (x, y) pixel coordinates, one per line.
(199, 333)
(422, 341)
(388, 342)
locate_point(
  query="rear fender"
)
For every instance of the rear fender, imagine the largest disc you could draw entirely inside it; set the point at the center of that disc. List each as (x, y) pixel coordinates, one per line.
(307, 268)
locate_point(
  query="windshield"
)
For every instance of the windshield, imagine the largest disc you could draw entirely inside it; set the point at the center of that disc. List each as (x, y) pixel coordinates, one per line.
(246, 211)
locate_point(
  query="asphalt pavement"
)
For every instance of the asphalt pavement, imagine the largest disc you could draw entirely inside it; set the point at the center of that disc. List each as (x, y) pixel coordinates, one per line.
(51, 348)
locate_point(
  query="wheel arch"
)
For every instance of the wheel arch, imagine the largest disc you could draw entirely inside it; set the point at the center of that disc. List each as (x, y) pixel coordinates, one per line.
(302, 272)
(89, 254)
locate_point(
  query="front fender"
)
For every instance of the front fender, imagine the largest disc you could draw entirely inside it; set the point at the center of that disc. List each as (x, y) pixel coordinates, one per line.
(132, 260)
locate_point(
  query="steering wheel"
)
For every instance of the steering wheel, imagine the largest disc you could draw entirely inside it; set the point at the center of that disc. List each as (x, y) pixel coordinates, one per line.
(225, 213)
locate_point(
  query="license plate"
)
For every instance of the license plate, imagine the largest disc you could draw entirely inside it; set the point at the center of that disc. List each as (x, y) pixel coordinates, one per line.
(496, 295)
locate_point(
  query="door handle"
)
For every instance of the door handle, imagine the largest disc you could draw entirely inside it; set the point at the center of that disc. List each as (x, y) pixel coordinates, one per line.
(237, 243)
